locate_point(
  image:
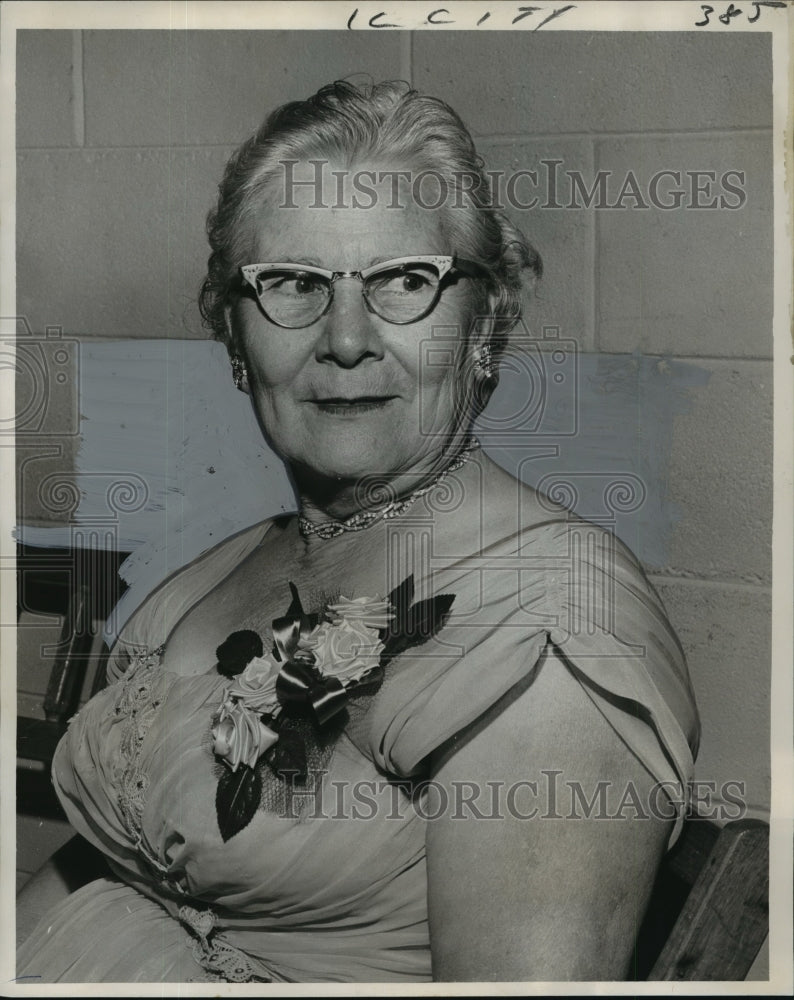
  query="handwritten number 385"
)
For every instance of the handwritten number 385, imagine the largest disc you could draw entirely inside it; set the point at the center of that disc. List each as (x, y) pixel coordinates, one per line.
(733, 11)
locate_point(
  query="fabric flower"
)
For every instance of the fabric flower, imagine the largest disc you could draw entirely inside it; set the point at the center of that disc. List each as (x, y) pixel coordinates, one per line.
(346, 650)
(256, 685)
(239, 735)
(371, 612)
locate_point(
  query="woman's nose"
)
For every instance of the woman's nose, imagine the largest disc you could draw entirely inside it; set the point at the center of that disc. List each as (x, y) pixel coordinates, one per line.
(349, 331)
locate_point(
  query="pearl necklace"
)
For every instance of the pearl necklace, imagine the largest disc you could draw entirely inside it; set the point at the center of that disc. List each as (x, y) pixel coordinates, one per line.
(364, 518)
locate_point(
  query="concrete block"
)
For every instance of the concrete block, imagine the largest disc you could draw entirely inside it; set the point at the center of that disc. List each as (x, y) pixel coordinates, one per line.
(504, 82)
(44, 88)
(112, 243)
(687, 280)
(721, 475)
(204, 87)
(564, 238)
(725, 631)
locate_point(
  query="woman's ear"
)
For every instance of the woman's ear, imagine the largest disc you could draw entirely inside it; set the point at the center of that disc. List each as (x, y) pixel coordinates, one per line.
(481, 332)
(479, 373)
(236, 359)
(227, 320)
(482, 328)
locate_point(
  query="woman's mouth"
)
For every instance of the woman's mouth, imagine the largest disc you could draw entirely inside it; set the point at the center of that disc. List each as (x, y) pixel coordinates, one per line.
(341, 406)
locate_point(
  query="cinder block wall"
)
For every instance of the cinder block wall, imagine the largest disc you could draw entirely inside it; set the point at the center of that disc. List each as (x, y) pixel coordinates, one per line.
(122, 138)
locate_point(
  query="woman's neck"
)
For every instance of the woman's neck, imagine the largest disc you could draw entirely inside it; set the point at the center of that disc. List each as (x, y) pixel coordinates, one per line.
(324, 500)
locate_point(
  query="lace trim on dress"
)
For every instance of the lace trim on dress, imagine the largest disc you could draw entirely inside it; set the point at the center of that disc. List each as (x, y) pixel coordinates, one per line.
(221, 960)
(137, 704)
(140, 698)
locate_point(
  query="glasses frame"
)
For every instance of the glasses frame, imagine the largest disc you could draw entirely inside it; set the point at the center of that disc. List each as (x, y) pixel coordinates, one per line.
(445, 265)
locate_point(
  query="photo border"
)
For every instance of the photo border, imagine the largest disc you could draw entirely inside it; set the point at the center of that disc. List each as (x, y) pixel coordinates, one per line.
(591, 16)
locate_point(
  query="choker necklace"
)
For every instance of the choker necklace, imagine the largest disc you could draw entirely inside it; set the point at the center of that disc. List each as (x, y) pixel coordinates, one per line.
(363, 519)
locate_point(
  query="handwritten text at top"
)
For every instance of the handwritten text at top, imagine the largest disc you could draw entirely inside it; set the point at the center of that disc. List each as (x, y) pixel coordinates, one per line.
(535, 17)
(731, 12)
(441, 16)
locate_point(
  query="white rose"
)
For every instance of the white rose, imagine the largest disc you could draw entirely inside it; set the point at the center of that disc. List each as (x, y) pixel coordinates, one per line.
(346, 650)
(256, 685)
(369, 611)
(239, 735)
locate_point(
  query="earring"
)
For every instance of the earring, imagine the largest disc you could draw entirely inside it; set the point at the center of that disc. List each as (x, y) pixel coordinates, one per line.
(485, 364)
(239, 373)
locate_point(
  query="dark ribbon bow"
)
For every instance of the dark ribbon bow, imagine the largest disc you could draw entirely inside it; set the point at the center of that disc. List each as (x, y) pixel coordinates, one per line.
(298, 682)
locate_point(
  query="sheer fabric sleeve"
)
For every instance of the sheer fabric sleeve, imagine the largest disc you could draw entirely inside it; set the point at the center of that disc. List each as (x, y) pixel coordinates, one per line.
(100, 771)
(568, 584)
(149, 626)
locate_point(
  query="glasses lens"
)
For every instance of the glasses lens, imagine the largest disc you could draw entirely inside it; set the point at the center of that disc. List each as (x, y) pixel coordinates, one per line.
(403, 293)
(292, 298)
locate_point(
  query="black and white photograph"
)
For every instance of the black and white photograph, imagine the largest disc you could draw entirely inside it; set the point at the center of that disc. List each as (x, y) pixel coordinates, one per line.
(434, 630)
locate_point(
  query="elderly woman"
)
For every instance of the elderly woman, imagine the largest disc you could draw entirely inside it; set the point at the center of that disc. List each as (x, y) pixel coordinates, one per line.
(378, 740)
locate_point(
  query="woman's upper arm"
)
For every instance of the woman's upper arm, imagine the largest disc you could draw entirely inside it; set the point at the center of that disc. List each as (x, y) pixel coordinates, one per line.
(518, 895)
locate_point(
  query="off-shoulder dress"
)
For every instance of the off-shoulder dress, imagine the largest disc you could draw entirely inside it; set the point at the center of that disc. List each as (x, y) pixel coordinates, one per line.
(327, 882)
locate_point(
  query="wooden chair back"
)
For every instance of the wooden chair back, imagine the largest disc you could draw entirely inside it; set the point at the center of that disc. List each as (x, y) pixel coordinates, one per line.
(708, 916)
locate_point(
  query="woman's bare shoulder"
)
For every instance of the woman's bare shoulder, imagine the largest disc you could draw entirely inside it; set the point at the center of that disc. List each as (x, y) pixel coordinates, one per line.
(513, 506)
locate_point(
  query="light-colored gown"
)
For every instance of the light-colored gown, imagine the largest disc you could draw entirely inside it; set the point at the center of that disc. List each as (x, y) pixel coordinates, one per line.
(331, 886)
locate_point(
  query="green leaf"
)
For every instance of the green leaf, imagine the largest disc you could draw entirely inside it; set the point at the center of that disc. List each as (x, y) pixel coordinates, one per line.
(413, 624)
(237, 799)
(427, 617)
(394, 636)
(295, 609)
(400, 599)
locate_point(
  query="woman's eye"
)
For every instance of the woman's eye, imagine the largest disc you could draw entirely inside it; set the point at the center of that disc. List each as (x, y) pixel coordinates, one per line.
(413, 282)
(296, 285)
(403, 283)
(304, 285)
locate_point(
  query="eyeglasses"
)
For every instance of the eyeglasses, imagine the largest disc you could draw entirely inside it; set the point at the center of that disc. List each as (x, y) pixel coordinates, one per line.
(400, 291)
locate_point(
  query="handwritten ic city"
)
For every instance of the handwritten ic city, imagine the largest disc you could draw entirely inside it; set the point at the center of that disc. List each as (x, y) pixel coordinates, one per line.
(444, 16)
(534, 17)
